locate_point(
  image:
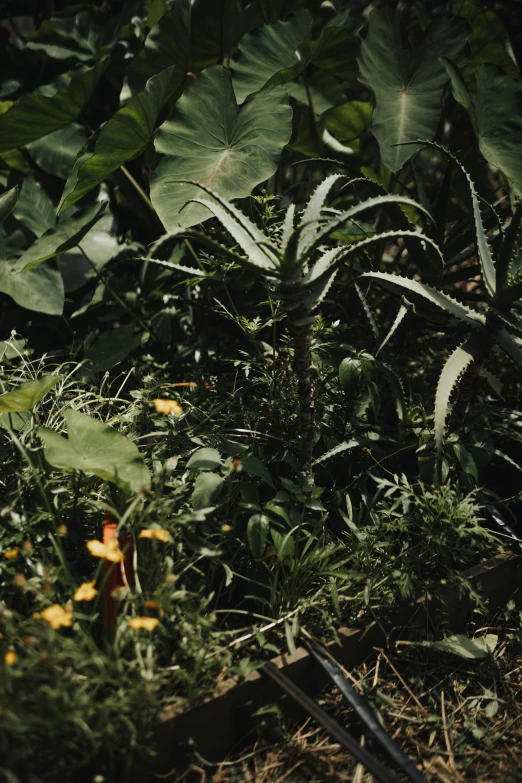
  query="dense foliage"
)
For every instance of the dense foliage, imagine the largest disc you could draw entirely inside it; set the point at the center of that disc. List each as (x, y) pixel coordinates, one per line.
(261, 290)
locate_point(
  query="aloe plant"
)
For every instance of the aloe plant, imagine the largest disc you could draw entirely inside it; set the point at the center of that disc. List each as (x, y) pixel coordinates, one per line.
(299, 266)
(498, 325)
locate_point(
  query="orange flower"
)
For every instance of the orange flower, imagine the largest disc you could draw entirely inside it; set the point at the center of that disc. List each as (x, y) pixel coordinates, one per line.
(86, 591)
(143, 623)
(55, 616)
(155, 532)
(10, 658)
(10, 554)
(167, 406)
(110, 551)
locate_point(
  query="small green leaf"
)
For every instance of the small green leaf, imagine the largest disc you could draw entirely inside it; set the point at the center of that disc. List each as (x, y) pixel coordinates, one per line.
(60, 238)
(204, 459)
(95, 448)
(207, 489)
(257, 534)
(38, 113)
(255, 467)
(470, 649)
(28, 394)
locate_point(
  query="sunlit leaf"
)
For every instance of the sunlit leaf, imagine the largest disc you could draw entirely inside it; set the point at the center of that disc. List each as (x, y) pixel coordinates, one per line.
(209, 140)
(95, 448)
(28, 394)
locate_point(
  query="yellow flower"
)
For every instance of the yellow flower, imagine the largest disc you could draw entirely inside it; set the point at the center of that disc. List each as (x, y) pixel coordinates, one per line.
(10, 658)
(19, 580)
(10, 554)
(86, 591)
(109, 551)
(167, 406)
(55, 616)
(155, 532)
(145, 623)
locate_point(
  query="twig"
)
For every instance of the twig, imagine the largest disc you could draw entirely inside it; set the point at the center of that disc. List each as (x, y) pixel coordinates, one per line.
(446, 733)
(390, 664)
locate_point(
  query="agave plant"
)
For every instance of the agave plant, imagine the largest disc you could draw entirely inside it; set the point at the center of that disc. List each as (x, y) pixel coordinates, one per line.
(300, 267)
(500, 324)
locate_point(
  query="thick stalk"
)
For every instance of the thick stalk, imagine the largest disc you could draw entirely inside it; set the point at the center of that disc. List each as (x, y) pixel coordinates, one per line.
(301, 338)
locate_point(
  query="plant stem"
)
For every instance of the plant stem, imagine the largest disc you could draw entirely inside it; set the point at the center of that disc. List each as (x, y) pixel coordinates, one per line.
(301, 339)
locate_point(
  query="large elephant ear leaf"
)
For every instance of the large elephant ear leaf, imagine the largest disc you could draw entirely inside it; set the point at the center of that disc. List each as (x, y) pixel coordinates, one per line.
(407, 83)
(453, 370)
(50, 107)
(272, 55)
(123, 137)
(94, 447)
(211, 141)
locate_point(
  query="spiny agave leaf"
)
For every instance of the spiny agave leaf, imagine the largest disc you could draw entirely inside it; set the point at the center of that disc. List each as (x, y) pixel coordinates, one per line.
(60, 238)
(288, 228)
(368, 311)
(94, 447)
(509, 247)
(28, 394)
(207, 138)
(342, 447)
(209, 244)
(123, 137)
(8, 202)
(457, 363)
(407, 83)
(370, 203)
(486, 260)
(273, 55)
(312, 212)
(511, 345)
(249, 245)
(445, 302)
(188, 270)
(397, 390)
(50, 107)
(398, 320)
(324, 264)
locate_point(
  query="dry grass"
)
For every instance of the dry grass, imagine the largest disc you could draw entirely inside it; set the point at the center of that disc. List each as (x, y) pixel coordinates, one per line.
(460, 720)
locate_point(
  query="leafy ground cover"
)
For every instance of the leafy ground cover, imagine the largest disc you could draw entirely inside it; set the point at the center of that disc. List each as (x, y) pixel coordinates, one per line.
(260, 287)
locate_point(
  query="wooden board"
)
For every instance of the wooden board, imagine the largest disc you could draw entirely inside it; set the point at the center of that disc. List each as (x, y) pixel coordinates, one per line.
(224, 720)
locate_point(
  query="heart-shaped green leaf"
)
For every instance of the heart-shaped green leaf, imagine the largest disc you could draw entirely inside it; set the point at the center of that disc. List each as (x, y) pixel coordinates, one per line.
(208, 139)
(122, 138)
(207, 488)
(60, 238)
(407, 83)
(38, 113)
(272, 55)
(93, 447)
(28, 394)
